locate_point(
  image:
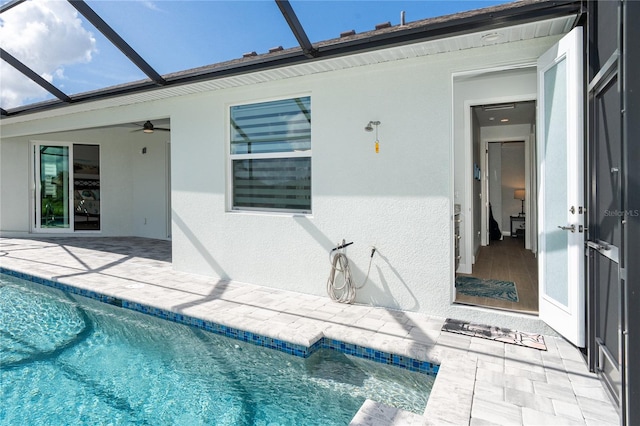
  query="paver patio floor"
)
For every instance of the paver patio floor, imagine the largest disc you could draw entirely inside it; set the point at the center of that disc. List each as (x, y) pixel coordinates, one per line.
(480, 381)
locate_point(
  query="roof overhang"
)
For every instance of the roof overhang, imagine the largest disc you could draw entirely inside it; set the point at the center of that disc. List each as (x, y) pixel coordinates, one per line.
(421, 36)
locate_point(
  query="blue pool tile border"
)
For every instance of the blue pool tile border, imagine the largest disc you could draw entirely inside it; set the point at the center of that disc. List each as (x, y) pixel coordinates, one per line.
(358, 351)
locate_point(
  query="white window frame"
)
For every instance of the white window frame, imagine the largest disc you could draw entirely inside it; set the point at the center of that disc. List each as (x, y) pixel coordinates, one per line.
(290, 154)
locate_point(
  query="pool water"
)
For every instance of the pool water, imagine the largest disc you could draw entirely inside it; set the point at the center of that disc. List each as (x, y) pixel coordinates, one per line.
(69, 360)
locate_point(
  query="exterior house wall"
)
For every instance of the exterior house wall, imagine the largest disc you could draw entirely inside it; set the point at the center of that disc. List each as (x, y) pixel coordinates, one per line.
(150, 186)
(132, 185)
(400, 200)
(357, 194)
(14, 185)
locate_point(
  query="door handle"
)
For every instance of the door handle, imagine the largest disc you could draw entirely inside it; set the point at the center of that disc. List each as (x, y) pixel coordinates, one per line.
(571, 228)
(598, 246)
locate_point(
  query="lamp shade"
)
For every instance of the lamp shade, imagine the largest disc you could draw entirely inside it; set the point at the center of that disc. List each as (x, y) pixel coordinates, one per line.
(518, 194)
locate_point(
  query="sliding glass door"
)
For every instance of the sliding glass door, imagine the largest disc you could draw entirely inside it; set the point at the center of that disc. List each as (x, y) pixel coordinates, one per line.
(52, 200)
(67, 187)
(86, 187)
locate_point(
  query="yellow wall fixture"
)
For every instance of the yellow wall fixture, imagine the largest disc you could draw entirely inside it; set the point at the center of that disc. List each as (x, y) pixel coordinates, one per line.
(369, 128)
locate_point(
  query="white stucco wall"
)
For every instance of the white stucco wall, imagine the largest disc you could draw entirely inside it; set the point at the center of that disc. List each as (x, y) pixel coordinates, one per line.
(399, 200)
(396, 200)
(133, 186)
(14, 185)
(150, 186)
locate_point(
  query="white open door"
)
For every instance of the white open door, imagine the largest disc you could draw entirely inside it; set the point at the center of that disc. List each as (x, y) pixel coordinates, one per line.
(561, 193)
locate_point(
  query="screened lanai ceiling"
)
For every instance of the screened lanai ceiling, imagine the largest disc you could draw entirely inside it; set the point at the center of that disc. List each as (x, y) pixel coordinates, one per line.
(58, 53)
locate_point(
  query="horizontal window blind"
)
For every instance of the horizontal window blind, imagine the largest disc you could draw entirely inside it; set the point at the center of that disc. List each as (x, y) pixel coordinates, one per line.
(278, 126)
(271, 155)
(273, 183)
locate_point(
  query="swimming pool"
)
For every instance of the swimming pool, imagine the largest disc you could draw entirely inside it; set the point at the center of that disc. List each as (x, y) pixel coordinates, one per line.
(66, 359)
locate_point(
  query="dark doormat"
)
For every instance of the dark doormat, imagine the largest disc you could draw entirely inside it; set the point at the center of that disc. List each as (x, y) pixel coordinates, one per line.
(495, 289)
(530, 340)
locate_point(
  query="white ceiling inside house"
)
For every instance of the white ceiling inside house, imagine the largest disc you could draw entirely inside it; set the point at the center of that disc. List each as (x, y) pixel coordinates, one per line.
(506, 114)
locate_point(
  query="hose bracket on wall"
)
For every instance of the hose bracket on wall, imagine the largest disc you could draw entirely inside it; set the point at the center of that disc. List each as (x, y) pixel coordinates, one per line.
(340, 285)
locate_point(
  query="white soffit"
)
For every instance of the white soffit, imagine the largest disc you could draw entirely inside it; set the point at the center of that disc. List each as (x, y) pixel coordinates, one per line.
(532, 30)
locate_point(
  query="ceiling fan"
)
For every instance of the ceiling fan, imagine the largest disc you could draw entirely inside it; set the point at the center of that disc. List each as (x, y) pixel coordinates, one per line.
(148, 127)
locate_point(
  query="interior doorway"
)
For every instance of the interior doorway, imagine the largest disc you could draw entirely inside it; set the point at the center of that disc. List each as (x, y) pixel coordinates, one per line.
(505, 263)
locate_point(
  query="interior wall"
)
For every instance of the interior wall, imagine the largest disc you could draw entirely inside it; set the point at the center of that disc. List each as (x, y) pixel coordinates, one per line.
(495, 182)
(512, 179)
(477, 189)
(517, 169)
(472, 89)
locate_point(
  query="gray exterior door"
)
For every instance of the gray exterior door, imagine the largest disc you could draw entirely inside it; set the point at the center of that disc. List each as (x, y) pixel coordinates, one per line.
(612, 195)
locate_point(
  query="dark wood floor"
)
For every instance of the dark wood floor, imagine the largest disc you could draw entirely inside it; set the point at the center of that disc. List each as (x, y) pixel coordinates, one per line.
(507, 260)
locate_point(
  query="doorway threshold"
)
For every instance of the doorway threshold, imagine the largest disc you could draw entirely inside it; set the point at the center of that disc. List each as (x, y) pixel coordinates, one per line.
(496, 308)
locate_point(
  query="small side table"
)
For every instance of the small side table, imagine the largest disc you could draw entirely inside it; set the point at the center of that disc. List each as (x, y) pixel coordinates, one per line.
(519, 223)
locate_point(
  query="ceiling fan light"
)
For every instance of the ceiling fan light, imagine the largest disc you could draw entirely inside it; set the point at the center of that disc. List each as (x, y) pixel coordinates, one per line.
(147, 127)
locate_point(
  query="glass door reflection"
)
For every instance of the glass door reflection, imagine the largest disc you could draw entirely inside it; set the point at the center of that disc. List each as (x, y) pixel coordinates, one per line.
(86, 187)
(54, 186)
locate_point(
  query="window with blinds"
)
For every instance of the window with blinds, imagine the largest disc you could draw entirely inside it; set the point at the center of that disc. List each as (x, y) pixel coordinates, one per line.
(271, 155)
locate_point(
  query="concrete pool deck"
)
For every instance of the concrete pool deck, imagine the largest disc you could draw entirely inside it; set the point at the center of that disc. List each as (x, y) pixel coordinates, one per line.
(480, 381)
